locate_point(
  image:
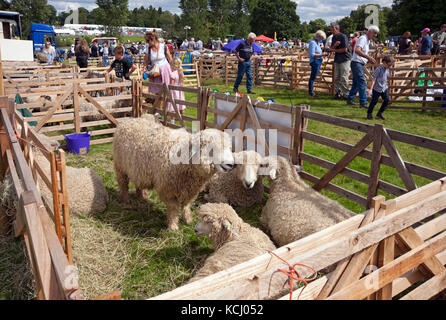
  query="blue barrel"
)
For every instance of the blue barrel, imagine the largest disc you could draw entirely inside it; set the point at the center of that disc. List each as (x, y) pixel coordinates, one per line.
(78, 143)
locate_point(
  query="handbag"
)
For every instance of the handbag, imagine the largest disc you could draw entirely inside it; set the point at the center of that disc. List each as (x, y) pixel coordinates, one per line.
(153, 71)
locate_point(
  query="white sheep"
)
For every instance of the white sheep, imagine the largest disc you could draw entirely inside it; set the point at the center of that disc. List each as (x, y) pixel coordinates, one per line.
(240, 187)
(294, 210)
(143, 150)
(86, 191)
(234, 240)
(85, 106)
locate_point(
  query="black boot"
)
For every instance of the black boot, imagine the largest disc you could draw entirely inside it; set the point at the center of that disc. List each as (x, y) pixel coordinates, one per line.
(380, 115)
(369, 116)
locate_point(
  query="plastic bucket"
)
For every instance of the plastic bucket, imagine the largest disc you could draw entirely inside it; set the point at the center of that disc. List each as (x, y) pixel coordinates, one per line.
(78, 143)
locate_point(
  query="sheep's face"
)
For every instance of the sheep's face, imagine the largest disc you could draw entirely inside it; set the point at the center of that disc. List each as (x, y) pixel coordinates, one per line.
(269, 167)
(215, 149)
(247, 166)
(203, 228)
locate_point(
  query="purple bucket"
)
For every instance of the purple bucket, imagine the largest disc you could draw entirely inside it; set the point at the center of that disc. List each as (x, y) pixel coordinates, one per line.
(78, 143)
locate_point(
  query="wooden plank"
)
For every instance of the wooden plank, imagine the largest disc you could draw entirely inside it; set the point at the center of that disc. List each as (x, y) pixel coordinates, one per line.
(389, 272)
(61, 160)
(398, 162)
(386, 254)
(56, 105)
(234, 112)
(428, 289)
(360, 146)
(432, 144)
(77, 121)
(97, 105)
(346, 123)
(375, 164)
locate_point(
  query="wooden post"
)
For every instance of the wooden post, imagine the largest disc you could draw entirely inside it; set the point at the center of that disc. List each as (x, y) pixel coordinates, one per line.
(77, 122)
(55, 192)
(61, 168)
(4, 143)
(300, 125)
(375, 164)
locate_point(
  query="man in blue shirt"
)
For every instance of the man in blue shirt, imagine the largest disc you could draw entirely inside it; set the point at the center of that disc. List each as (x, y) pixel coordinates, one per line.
(426, 42)
(244, 52)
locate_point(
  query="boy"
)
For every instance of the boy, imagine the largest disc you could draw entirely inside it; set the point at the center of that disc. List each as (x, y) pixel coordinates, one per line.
(122, 66)
(379, 88)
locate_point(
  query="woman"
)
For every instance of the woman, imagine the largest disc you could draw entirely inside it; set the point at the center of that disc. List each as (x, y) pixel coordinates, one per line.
(49, 52)
(316, 56)
(82, 52)
(405, 45)
(157, 54)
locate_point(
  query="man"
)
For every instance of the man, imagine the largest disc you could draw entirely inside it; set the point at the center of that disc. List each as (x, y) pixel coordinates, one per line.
(244, 52)
(329, 41)
(218, 44)
(284, 43)
(341, 60)
(94, 49)
(191, 44)
(359, 60)
(198, 44)
(437, 39)
(425, 43)
(276, 44)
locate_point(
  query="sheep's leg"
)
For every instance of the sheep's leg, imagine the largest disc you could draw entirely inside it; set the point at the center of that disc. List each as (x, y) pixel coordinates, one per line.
(187, 213)
(123, 186)
(172, 216)
(141, 193)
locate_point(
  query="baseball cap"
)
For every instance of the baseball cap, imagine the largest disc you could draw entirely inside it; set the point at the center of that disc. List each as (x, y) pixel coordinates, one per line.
(426, 30)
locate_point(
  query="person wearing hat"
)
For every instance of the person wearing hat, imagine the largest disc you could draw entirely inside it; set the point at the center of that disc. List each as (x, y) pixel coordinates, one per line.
(437, 39)
(425, 43)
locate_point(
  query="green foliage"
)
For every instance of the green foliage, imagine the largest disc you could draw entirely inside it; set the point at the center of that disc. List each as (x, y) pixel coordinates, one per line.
(347, 25)
(276, 16)
(112, 14)
(317, 24)
(359, 17)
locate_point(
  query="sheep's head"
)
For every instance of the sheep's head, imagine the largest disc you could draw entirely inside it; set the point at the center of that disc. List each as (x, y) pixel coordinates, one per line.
(277, 167)
(218, 221)
(247, 167)
(213, 147)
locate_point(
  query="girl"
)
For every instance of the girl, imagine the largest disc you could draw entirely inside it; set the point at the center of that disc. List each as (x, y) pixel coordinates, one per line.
(82, 52)
(176, 79)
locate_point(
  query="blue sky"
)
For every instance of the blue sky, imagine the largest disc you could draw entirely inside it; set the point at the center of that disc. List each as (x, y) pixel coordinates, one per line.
(329, 10)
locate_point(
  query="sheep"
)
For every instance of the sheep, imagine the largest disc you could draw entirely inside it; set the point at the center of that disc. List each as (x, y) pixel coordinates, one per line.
(240, 187)
(234, 240)
(294, 210)
(144, 153)
(86, 191)
(85, 106)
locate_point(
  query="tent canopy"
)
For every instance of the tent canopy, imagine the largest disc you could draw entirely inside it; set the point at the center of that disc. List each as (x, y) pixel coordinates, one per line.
(263, 38)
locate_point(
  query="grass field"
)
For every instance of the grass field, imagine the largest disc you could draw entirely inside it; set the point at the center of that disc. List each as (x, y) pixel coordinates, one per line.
(128, 247)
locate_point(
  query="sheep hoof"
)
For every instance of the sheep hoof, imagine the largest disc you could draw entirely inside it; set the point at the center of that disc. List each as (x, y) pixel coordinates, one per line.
(173, 227)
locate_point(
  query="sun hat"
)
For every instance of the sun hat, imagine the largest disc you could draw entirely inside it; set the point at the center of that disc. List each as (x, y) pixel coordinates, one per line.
(426, 30)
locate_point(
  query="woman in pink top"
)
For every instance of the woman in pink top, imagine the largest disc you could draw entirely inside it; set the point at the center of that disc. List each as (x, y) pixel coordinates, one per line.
(176, 79)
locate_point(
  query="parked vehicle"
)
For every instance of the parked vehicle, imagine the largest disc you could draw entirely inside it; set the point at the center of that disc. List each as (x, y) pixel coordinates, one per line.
(41, 33)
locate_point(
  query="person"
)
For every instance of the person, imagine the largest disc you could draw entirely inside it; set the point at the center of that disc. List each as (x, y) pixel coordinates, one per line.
(341, 61)
(359, 60)
(316, 56)
(211, 44)
(157, 54)
(184, 45)
(111, 49)
(391, 43)
(191, 44)
(276, 44)
(379, 88)
(49, 52)
(425, 45)
(284, 43)
(438, 39)
(170, 47)
(244, 52)
(329, 41)
(405, 44)
(94, 49)
(198, 45)
(123, 66)
(355, 38)
(82, 52)
(176, 79)
(105, 55)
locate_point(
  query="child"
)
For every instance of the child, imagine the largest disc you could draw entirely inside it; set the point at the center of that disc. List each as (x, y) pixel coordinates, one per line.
(123, 66)
(176, 79)
(379, 88)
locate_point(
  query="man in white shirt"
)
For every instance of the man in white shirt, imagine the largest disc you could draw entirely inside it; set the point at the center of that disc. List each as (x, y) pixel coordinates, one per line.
(360, 59)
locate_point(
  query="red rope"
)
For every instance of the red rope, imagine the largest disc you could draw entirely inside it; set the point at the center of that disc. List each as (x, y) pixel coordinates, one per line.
(293, 274)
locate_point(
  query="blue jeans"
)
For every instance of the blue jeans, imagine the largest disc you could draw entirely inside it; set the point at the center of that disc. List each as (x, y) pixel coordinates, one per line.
(375, 97)
(359, 83)
(244, 67)
(106, 62)
(315, 68)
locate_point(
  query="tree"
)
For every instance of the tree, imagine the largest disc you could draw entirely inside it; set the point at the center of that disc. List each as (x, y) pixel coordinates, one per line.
(37, 11)
(415, 15)
(317, 24)
(220, 17)
(359, 17)
(195, 15)
(276, 16)
(347, 25)
(113, 14)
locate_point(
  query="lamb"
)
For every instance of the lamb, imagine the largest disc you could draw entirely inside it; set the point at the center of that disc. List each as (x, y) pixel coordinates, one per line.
(85, 106)
(234, 240)
(144, 152)
(294, 210)
(240, 187)
(86, 191)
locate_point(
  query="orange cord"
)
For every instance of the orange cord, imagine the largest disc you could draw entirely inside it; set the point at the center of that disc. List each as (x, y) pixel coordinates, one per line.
(24, 140)
(293, 274)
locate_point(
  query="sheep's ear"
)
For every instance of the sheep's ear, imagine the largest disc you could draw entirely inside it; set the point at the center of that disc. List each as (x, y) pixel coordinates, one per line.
(273, 174)
(227, 225)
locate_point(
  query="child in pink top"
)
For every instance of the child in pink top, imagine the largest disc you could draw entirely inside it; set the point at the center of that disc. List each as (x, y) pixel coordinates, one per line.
(176, 79)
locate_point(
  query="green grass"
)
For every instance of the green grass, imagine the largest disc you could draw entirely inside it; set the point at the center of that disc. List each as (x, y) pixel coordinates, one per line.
(156, 260)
